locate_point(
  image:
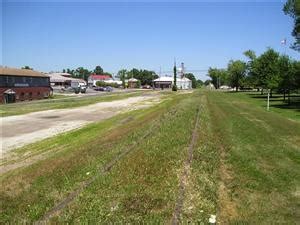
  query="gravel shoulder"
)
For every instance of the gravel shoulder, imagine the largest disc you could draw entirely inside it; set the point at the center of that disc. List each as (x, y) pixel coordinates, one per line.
(18, 131)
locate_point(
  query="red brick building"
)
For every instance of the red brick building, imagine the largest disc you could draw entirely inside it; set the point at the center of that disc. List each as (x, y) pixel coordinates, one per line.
(21, 84)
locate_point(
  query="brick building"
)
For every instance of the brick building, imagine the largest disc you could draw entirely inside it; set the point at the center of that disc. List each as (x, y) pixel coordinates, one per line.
(21, 84)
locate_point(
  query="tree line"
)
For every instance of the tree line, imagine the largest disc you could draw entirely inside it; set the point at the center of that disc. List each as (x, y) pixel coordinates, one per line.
(270, 71)
(84, 73)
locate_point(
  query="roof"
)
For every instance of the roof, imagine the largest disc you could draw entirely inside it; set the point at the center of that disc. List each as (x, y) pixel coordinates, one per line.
(20, 72)
(60, 77)
(99, 77)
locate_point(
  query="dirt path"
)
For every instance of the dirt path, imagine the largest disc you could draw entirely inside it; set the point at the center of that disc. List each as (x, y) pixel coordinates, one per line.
(20, 130)
(185, 174)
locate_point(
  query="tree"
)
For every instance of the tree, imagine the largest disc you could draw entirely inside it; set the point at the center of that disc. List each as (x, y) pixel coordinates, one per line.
(122, 75)
(266, 67)
(98, 70)
(82, 73)
(145, 76)
(174, 87)
(207, 82)
(251, 78)
(286, 73)
(200, 83)
(292, 8)
(192, 78)
(72, 72)
(63, 70)
(218, 77)
(237, 71)
(27, 68)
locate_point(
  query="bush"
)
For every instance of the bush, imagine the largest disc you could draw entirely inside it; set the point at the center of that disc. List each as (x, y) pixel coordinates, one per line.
(101, 84)
(104, 84)
(174, 88)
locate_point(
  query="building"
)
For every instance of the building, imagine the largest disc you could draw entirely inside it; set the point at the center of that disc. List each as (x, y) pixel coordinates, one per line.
(133, 83)
(63, 79)
(92, 80)
(167, 82)
(22, 84)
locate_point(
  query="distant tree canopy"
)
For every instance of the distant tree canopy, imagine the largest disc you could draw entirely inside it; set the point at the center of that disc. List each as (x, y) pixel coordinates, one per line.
(268, 71)
(98, 70)
(146, 77)
(292, 8)
(192, 78)
(200, 83)
(26, 68)
(218, 77)
(207, 82)
(236, 73)
(84, 73)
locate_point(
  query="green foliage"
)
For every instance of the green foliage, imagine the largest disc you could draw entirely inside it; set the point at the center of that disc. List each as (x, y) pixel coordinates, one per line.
(27, 68)
(237, 72)
(267, 70)
(199, 83)
(146, 77)
(98, 70)
(192, 78)
(122, 75)
(218, 77)
(174, 88)
(105, 84)
(207, 82)
(292, 8)
(82, 73)
(175, 78)
(100, 83)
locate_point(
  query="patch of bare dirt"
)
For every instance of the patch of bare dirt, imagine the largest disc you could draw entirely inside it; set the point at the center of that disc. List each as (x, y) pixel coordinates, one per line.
(20, 130)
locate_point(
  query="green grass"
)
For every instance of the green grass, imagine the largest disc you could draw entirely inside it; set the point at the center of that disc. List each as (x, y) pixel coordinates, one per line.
(260, 155)
(59, 103)
(245, 167)
(28, 192)
(277, 104)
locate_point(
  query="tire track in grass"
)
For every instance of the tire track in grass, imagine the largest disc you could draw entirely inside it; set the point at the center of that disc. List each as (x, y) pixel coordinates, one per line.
(185, 174)
(105, 169)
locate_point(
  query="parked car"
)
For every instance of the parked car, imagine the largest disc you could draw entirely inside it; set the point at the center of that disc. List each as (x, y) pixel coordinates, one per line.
(99, 89)
(146, 87)
(109, 89)
(78, 86)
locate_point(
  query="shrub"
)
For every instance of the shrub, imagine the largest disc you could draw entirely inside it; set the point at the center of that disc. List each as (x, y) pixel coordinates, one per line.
(174, 88)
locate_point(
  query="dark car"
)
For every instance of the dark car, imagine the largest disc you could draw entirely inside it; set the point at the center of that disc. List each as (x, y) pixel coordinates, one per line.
(109, 89)
(99, 89)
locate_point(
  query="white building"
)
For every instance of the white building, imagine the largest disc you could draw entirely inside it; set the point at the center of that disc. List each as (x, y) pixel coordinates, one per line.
(167, 82)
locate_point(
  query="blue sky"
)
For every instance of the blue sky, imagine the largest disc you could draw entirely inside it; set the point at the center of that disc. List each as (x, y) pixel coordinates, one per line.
(50, 36)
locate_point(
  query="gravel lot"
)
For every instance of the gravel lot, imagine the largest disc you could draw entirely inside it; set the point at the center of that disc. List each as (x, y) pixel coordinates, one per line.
(20, 130)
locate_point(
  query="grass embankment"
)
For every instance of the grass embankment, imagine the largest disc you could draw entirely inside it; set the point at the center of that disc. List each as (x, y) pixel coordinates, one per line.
(142, 186)
(260, 161)
(60, 103)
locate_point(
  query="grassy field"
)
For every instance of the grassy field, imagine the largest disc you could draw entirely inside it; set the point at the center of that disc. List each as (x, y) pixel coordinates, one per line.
(60, 102)
(137, 167)
(277, 104)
